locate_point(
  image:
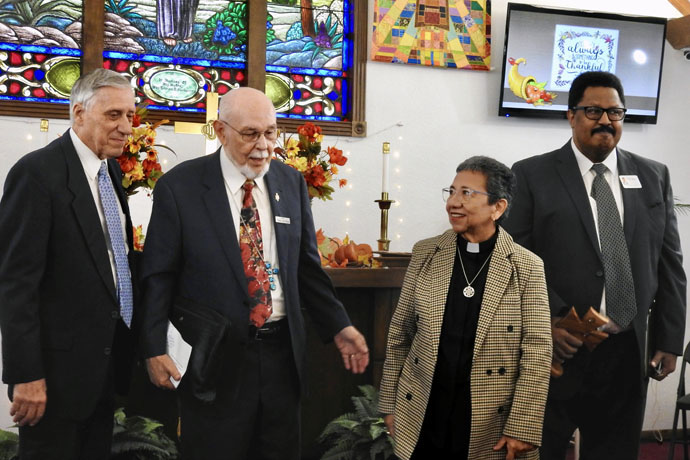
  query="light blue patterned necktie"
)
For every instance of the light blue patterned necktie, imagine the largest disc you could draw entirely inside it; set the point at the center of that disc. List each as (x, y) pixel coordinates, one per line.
(111, 210)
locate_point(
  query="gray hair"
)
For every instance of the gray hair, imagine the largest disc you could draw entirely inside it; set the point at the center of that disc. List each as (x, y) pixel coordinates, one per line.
(500, 180)
(86, 86)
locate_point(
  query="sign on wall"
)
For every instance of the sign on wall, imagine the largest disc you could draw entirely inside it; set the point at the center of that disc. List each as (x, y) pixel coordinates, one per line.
(579, 49)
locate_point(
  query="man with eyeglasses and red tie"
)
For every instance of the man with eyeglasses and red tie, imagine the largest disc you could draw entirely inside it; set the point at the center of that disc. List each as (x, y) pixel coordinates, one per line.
(232, 234)
(602, 220)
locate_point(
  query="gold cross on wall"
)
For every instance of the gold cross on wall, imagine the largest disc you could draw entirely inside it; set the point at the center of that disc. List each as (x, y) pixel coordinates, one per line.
(206, 129)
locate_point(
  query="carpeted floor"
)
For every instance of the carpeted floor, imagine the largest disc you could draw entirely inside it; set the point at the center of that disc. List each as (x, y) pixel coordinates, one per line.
(651, 451)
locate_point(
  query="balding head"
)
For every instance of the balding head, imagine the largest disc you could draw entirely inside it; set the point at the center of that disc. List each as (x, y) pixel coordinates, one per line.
(240, 101)
(247, 129)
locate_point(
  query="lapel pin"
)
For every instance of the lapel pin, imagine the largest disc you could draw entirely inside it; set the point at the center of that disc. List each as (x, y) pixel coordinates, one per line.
(277, 196)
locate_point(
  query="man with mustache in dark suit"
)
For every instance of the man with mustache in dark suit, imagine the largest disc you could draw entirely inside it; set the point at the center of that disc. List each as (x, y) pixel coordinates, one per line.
(602, 220)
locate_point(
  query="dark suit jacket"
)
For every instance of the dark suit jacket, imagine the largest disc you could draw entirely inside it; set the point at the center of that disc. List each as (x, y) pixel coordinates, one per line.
(551, 216)
(58, 304)
(192, 252)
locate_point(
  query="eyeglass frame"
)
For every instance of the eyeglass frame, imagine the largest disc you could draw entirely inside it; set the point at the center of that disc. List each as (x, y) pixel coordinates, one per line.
(254, 135)
(465, 197)
(584, 109)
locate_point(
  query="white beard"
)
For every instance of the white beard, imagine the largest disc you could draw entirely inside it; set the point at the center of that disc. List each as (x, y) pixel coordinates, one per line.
(248, 172)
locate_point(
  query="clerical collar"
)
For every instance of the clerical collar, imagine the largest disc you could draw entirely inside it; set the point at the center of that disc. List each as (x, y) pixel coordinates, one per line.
(476, 248)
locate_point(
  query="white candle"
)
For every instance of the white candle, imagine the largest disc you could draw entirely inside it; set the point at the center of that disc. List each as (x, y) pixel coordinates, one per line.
(386, 155)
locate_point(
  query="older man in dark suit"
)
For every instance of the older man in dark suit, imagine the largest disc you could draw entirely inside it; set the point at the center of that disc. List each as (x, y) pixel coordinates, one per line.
(232, 233)
(602, 220)
(66, 296)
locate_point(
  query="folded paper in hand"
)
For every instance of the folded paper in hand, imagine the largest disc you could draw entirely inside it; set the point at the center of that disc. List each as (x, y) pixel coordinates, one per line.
(179, 351)
(585, 329)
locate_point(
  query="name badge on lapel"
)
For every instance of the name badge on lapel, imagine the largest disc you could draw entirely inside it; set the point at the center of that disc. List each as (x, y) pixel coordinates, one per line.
(630, 181)
(283, 220)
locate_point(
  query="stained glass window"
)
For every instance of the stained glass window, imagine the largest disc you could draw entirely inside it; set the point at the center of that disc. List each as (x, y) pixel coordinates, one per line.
(39, 49)
(176, 51)
(308, 61)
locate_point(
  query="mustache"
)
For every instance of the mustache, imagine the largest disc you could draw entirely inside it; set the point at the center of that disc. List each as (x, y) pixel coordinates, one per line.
(259, 154)
(604, 129)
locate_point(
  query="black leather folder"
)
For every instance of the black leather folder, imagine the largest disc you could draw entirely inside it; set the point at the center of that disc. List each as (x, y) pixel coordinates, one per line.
(206, 331)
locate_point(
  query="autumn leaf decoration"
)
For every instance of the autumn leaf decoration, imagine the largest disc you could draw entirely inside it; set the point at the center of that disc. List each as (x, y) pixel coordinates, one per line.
(338, 253)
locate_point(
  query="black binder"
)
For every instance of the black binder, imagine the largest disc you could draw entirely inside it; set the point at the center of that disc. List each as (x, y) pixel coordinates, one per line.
(206, 331)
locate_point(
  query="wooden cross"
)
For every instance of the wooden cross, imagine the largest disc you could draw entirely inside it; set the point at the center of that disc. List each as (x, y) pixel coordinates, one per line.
(206, 129)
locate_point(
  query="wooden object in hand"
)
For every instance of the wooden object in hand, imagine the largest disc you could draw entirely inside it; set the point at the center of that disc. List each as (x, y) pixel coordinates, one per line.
(585, 329)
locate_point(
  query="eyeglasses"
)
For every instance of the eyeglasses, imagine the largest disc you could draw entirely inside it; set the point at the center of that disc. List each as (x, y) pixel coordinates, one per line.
(465, 194)
(270, 134)
(595, 113)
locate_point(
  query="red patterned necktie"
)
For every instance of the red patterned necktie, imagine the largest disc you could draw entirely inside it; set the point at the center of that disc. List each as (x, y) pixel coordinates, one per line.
(251, 247)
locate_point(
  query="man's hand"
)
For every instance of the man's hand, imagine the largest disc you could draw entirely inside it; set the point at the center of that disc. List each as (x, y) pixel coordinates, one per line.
(668, 364)
(28, 402)
(160, 369)
(565, 345)
(353, 349)
(389, 421)
(514, 446)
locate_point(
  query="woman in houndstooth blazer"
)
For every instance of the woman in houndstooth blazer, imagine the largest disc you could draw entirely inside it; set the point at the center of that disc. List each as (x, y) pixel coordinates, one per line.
(469, 346)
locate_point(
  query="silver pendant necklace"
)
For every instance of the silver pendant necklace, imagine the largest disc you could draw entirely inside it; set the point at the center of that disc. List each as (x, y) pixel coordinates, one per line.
(468, 291)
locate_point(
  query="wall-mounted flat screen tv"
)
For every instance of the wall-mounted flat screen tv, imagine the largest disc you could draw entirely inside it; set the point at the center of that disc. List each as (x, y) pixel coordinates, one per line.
(546, 48)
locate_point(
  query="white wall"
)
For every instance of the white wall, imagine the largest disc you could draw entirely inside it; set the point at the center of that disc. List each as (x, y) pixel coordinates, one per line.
(447, 115)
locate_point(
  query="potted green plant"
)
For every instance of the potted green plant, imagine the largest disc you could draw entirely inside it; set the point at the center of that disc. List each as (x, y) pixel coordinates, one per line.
(359, 435)
(140, 438)
(9, 444)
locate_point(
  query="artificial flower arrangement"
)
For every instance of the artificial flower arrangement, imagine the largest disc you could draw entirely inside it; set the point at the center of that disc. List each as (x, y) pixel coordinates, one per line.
(137, 172)
(319, 167)
(139, 238)
(338, 253)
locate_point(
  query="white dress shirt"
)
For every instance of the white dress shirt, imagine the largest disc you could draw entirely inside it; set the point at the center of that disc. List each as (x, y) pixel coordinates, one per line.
(611, 176)
(91, 164)
(234, 180)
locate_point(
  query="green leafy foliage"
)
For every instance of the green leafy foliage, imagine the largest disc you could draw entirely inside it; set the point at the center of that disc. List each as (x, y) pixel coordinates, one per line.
(9, 444)
(134, 438)
(326, 189)
(30, 12)
(122, 8)
(270, 33)
(682, 208)
(226, 31)
(361, 435)
(326, 37)
(140, 438)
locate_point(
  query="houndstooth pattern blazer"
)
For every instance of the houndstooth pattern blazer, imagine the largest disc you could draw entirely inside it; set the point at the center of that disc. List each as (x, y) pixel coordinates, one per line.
(512, 351)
